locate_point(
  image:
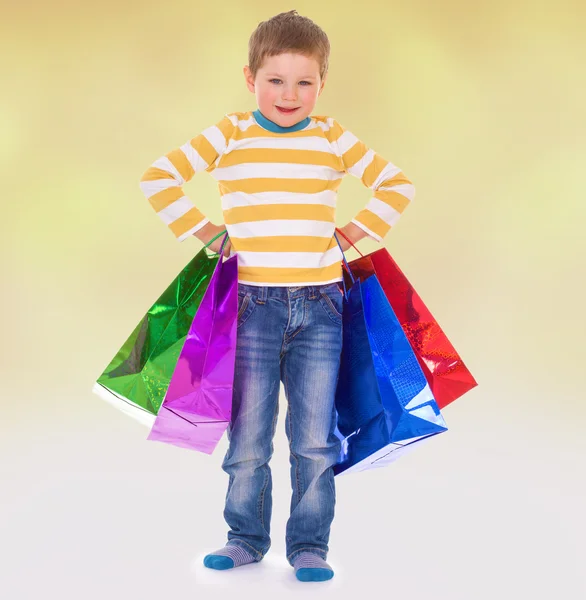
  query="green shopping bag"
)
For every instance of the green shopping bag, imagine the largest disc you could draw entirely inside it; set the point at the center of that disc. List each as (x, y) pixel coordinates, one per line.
(137, 378)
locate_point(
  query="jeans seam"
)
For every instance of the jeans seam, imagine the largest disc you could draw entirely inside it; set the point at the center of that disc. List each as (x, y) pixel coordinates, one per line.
(331, 474)
(230, 484)
(297, 486)
(262, 494)
(302, 326)
(286, 327)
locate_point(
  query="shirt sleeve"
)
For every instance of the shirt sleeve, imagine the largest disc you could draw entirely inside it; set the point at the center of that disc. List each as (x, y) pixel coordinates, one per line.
(161, 182)
(392, 191)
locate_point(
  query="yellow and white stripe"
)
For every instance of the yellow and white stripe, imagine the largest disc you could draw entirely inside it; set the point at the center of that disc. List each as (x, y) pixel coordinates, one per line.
(278, 194)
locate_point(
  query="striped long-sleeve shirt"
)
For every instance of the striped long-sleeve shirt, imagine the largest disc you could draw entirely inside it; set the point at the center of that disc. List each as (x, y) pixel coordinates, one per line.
(278, 193)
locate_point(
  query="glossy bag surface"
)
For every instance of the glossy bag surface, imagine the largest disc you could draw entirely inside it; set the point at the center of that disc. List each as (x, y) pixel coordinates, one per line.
(444, 369)
(384, 403)
(137, 378)
(198, 404)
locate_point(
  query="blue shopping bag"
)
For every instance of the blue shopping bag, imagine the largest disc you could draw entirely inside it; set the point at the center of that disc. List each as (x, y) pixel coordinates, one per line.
(383, 400)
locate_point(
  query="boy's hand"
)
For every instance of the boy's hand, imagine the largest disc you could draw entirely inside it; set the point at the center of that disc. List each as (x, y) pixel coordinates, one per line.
(210, 231)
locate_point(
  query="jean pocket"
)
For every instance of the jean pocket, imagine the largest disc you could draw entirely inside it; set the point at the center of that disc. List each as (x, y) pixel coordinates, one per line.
(246, 306)
(331, 302)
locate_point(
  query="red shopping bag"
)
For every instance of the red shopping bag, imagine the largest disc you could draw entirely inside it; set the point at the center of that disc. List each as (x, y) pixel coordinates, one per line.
(448, 376)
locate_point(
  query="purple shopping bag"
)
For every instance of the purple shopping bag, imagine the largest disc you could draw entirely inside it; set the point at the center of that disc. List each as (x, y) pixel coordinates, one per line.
(197, 407)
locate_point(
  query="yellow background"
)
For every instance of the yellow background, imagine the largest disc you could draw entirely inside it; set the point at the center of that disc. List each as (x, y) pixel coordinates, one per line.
(480, 103)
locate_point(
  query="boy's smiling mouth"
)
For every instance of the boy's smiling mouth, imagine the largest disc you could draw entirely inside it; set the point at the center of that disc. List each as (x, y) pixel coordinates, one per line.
(286, 111)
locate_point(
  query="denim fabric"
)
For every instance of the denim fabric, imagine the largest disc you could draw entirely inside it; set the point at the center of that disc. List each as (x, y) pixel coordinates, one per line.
(293, 335)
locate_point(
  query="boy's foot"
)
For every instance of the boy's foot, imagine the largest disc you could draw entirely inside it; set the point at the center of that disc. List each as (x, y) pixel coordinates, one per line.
(228, 557)
(311, 567)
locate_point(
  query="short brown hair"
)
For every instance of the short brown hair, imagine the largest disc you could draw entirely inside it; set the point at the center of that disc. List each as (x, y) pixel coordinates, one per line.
(288, 32)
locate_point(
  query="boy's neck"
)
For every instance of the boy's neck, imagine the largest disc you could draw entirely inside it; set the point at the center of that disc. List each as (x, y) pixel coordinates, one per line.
(272, 126)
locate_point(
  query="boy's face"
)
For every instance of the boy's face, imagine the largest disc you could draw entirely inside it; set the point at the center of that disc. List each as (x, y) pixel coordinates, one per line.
(286, 81)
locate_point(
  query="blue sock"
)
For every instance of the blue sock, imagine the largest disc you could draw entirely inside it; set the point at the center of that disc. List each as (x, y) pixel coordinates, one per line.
(228, 557)
(311, 567)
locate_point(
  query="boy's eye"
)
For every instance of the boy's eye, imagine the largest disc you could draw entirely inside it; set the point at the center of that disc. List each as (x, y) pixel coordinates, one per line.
(271, 81)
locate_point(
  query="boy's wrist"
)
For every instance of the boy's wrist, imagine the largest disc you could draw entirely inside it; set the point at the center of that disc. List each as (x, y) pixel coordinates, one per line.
(353, 232)
(207, 232)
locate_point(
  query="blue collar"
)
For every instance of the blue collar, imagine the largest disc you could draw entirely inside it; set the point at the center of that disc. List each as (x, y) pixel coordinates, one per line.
(272, 126)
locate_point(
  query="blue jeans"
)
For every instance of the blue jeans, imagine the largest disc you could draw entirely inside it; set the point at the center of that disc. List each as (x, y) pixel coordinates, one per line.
(293, 335)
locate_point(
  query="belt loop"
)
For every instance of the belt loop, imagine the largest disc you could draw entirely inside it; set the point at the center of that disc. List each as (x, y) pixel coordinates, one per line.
(312, 292)
(262, 294)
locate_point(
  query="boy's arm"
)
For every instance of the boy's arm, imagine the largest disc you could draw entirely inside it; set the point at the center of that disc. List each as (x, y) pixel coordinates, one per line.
(392, 191)
(161, 182)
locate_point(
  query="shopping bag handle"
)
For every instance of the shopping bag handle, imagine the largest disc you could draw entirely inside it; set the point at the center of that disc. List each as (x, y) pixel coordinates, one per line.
(348, 240)
(215, 238)
(347, 267)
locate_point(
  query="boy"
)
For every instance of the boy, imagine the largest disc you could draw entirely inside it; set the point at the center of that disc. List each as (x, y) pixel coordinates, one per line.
(278, 172)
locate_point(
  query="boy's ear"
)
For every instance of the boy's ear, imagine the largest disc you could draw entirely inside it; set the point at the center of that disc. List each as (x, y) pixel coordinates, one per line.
(248, 78)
